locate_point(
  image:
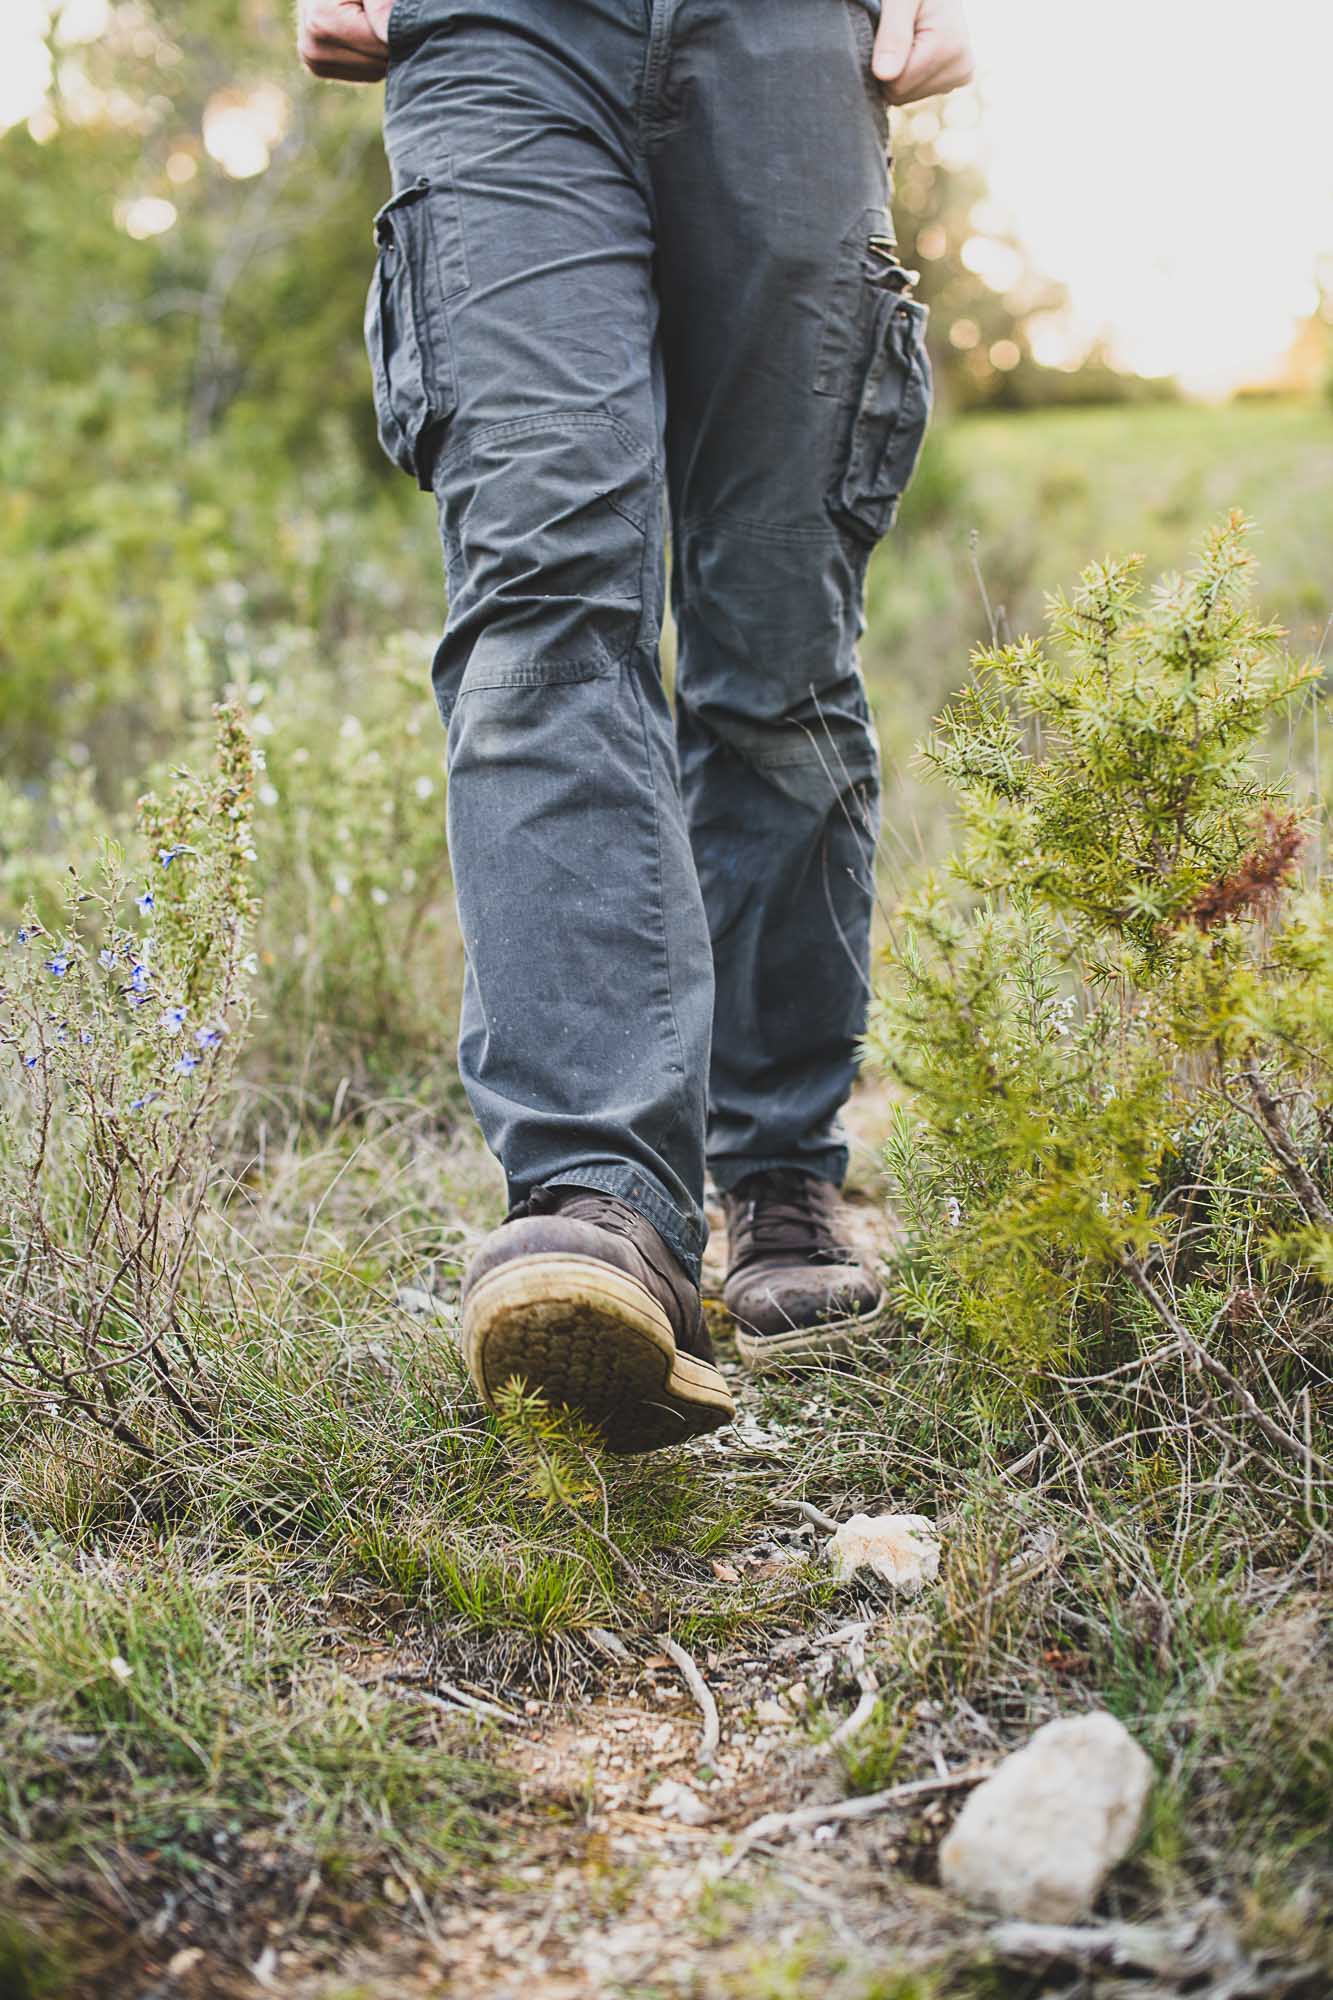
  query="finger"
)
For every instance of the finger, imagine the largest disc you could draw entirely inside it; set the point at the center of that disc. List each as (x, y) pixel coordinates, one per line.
(331, 56)
(893, 38)
(324, 56)
(331, 25)
(936, 65)
(346, 69)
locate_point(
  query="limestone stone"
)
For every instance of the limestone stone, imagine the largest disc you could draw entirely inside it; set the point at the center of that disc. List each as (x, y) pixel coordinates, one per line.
(901, 1548)
(1038, 1838)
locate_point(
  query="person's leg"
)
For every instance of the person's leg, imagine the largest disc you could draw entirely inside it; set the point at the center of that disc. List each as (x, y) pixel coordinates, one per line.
(513, 332)
(513, 327)
(797, 394)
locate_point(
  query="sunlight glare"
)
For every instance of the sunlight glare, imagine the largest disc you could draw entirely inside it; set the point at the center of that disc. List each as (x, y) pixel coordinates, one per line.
(1168, 161)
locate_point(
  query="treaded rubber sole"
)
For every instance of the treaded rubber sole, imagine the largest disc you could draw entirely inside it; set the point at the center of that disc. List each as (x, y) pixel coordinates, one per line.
(594, 1341)
(803, 1346)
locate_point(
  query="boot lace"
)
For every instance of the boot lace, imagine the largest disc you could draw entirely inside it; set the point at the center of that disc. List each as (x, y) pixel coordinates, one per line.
(791, 1214)
(584, 1204)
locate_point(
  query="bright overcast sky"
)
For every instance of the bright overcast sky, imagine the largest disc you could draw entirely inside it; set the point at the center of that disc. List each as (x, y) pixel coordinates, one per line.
(1169, 160)
(1172, 162)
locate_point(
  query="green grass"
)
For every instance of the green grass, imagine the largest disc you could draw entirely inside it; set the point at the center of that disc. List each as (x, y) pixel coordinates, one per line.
(161, 1705)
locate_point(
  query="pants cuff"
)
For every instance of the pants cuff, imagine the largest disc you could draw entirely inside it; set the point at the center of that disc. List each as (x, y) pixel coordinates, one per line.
(684, 1235)
(829, 1165)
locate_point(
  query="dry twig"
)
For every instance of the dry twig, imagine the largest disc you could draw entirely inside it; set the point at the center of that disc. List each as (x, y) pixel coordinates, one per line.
(698, 1687)
(773, 1826)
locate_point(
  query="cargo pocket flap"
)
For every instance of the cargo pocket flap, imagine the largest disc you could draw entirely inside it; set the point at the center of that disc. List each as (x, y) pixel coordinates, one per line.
(891, 400)
(420, 264)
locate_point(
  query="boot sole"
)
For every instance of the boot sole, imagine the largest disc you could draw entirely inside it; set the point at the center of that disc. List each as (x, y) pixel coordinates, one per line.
(594, 1341)
(804, 1346)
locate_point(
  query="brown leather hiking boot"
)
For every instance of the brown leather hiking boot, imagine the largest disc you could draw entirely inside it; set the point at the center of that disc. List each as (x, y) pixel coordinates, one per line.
(577, 1295)
(796, 1292)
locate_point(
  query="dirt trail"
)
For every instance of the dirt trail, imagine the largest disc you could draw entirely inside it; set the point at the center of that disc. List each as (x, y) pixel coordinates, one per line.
(620, 1898)
(624, 1876)
(631, 1883)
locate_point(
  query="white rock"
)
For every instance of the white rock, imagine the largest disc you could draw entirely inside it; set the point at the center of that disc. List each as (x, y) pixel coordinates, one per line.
(1040, 1836)
(677, 1801)
(899, 1547)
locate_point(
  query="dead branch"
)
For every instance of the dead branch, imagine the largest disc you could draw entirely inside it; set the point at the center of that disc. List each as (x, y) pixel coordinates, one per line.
(1199, 1355)
(774, 1826)
(698, 1687)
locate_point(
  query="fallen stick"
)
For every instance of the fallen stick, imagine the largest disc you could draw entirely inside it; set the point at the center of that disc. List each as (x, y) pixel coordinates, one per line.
(445, 1695)
(1176, 1952)
(476, 1703)
(809, 1512)
(698, 1687)
(771, 1826)
(858, 1719)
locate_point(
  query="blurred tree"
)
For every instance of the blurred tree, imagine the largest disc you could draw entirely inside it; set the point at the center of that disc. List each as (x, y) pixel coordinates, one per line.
(189, 220)
(985, 294)
(194, 212)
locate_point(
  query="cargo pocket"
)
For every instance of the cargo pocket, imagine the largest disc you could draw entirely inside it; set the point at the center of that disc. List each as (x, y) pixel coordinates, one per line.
(889, 400)
(421, 264)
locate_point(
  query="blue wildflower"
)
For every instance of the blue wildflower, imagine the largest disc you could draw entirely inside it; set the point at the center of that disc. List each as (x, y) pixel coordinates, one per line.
(24, 934)
(187, 1063)
(139, 978)
(59, 965)
(85, 1036)
(137, 999)
(145, 902)
(106, 958)
(140, 1102)
(30, 1062)
(166, 855)
(172, 1019)
(208, 1038)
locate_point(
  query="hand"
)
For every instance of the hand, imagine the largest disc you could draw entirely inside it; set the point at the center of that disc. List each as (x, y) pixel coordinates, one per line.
(347, 39)
(922, 49)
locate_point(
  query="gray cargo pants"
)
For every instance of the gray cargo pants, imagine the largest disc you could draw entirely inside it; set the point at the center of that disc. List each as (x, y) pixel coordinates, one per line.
(638, 270)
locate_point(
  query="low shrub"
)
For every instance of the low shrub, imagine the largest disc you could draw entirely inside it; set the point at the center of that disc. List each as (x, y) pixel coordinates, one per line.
(1112, 1020)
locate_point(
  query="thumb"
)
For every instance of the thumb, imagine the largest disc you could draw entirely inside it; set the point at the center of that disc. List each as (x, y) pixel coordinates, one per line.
(893, 41)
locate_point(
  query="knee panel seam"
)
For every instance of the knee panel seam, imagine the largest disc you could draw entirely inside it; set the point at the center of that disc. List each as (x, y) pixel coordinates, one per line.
(547, 519)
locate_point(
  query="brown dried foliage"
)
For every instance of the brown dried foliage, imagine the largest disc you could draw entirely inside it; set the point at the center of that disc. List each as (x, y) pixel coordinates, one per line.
(1253, 887)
